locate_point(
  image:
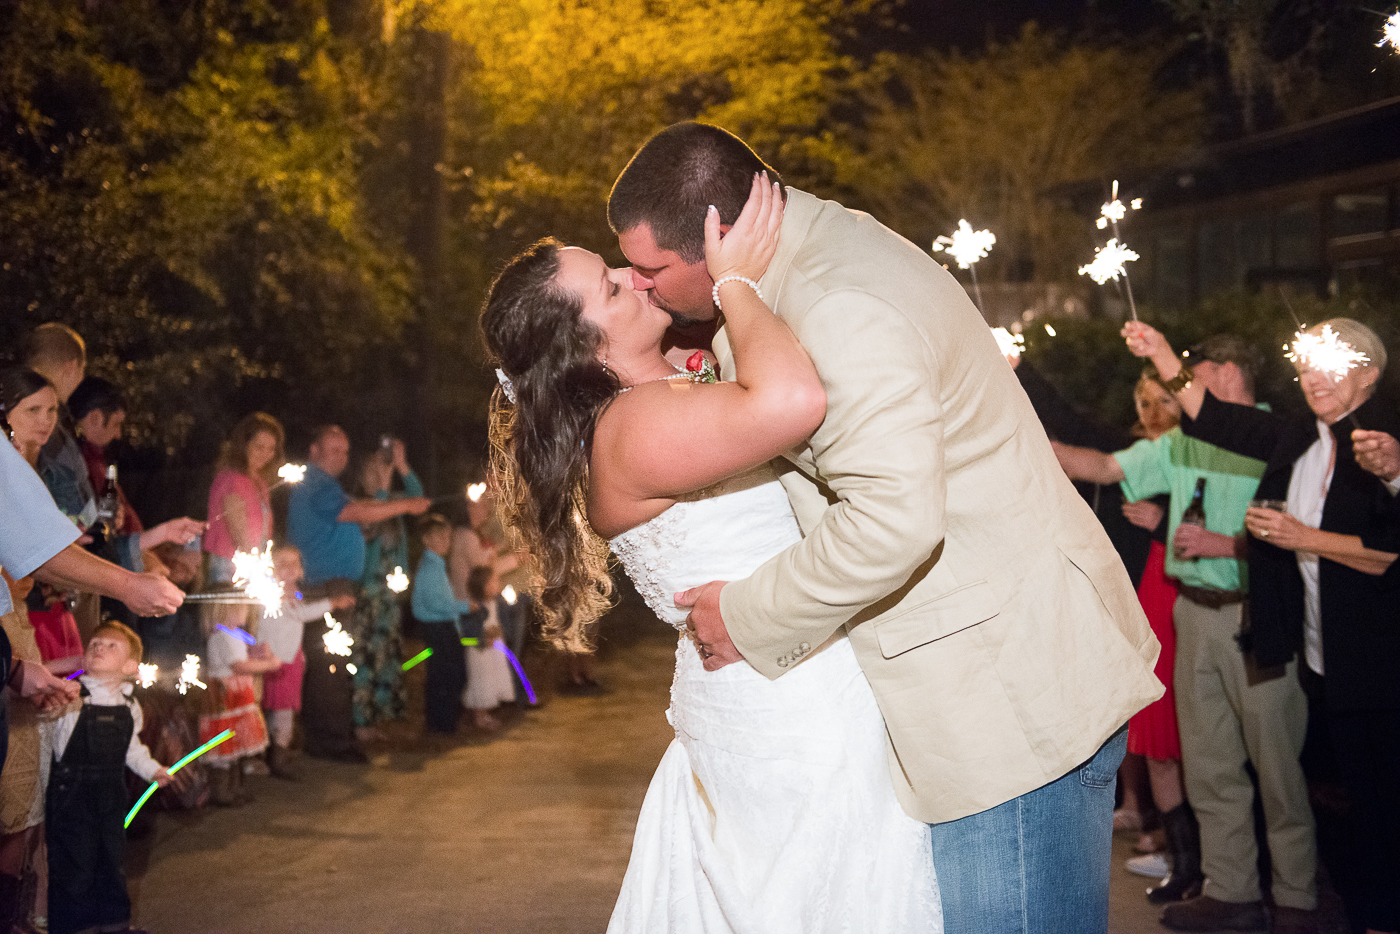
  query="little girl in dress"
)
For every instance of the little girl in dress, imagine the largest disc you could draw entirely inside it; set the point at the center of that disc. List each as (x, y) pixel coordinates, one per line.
(489, 681)
(231, 703)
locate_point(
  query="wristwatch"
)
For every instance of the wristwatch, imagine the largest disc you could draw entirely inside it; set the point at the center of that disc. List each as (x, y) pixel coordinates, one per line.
(1180, 381)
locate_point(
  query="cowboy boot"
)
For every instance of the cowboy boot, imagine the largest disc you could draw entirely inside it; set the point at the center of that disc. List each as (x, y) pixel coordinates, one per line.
(1184, 845)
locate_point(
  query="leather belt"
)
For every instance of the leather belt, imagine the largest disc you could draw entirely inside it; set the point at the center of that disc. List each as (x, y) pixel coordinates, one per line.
(1208, 597)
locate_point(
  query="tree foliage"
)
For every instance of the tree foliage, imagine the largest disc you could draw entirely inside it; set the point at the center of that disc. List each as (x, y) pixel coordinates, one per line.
(991, 139)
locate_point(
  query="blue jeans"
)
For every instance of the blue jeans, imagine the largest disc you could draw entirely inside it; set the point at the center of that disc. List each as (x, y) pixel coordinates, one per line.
(1037, 864)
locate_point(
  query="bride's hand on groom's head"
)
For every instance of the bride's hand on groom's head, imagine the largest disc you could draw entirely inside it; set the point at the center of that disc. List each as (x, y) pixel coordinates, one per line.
(746, 248)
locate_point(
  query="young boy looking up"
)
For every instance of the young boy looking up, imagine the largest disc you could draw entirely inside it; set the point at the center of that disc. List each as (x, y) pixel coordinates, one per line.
(438, 609)
(94, 742)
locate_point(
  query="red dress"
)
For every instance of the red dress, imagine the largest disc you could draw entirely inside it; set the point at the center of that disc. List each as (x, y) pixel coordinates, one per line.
(1152, 731)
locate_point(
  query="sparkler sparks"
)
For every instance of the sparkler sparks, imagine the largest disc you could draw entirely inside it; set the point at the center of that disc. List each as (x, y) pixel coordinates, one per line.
(253, 571)
(1390, 33)
(336, 640)
(475, 491)
(189, 674)
(1109, 262)
(1325, 352)
(1010, 344)
(966, 245)
(397, 581)
(146, 674)
(508, 594)
(292, 473)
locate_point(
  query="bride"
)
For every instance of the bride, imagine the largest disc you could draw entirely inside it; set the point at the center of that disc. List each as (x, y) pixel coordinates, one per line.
(772, 811)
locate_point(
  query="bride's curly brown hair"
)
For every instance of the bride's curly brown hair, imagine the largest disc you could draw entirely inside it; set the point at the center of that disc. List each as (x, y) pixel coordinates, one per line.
(540, 443)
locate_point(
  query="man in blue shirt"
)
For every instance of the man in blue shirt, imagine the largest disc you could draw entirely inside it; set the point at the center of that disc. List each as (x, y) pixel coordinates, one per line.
(323, 521)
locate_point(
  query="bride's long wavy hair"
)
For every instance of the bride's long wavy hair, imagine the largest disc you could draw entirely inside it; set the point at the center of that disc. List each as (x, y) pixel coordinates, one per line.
(540, 443)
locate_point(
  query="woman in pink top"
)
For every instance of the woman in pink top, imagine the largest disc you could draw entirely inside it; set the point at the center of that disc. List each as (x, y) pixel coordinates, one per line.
(240, 512)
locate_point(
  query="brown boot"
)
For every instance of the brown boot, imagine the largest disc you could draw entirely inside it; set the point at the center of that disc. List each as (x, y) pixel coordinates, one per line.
(221, 791)
(1211, 914)
(280, 765)
(1287, 920)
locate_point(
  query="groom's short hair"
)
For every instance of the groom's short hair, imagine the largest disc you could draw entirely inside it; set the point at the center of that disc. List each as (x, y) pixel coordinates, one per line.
(673, 179)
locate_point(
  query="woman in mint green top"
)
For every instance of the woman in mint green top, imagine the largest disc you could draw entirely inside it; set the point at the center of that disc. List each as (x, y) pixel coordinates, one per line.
(377, 625)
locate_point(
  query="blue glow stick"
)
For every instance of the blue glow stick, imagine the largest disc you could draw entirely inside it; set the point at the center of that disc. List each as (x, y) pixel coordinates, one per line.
(75, 674)
(236, 633)
(417, 658)
(131, 815)
(515, 663)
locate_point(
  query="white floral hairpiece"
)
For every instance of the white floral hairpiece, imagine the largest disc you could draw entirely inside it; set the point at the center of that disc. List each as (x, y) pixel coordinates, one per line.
(506, 384)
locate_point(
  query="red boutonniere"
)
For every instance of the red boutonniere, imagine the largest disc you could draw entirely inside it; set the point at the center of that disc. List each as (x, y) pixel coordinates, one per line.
(700, 369)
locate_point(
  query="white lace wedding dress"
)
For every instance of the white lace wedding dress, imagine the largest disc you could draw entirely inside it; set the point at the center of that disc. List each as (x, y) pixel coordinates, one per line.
(772, 811)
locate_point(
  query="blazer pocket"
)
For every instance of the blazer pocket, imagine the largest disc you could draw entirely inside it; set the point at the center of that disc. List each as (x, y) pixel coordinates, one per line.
(936, 618)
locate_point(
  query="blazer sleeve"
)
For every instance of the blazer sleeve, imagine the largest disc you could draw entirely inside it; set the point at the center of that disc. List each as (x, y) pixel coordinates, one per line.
(1242, 429)
(880, 452)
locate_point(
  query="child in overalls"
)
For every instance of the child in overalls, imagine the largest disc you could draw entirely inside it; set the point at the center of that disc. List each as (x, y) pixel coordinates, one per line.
(94, 743)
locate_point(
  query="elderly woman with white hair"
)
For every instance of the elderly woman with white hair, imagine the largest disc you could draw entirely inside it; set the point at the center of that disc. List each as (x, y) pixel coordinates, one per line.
(1323, 576)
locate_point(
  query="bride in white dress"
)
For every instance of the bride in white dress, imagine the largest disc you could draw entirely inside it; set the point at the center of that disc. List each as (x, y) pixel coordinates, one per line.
(772, 811)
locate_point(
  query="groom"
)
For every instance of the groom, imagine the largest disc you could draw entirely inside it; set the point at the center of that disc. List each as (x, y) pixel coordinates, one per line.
(989, 612)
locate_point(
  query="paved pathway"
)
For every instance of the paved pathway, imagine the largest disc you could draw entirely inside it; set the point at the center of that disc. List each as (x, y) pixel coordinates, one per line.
(528, 832)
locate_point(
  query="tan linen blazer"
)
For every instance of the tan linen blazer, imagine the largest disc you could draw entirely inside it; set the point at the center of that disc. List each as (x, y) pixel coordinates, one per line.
(994, 620)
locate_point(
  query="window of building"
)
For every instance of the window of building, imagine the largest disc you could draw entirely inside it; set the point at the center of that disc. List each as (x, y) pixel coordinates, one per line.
(1296, 232)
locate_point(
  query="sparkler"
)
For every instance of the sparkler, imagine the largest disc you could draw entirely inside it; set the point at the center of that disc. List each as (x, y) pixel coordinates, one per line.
(1326, 352)
(253, 571)
(1009, 344)
(146, 674)
(1109, 261)
(1390, 33)
(131, 815)
(336, 640)
(189, 674)
(289, 473)
(967, 246)
(475, 491)
(397, 581)
(1109, 264)
(508, 594)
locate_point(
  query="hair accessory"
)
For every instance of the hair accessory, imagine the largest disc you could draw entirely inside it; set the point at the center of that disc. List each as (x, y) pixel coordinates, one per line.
(744, 279)
(506, 384)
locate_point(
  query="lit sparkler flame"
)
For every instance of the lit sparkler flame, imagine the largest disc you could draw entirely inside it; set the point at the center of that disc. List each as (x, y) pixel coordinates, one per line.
(397, 581)
(189, 674)
(253, 571)
(966, 245)
(1010, 344)
(292, 473)
(508, 594)
(1109, 262)
(1325, 352)
(146, 674)
(1390, 33)
(336, 640)
(475, 491)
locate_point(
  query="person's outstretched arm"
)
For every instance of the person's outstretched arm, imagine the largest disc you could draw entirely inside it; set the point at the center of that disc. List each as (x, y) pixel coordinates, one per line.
(75, 568)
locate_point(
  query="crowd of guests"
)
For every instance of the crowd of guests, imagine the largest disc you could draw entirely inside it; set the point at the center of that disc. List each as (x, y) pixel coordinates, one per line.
(96, 597)
(1264, 548)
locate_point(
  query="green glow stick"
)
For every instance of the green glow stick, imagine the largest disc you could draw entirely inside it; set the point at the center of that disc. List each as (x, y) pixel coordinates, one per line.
(417, 658)
(470, 641)
(131, 815)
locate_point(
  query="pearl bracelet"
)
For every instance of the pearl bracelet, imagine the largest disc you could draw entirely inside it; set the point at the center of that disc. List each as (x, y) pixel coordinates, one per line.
(744, 279)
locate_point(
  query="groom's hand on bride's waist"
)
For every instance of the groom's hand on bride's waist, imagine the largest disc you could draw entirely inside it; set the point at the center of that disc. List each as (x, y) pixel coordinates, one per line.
(706, 625)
